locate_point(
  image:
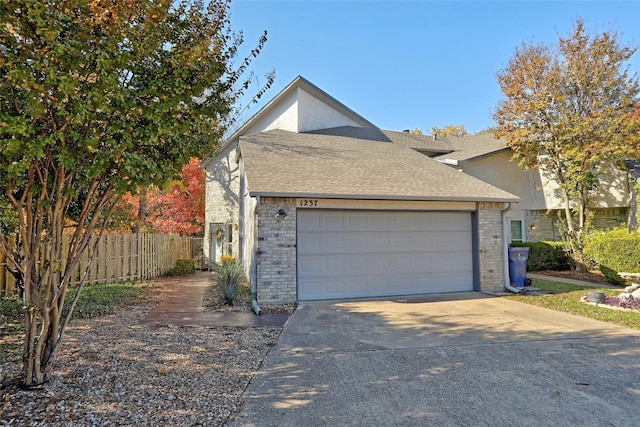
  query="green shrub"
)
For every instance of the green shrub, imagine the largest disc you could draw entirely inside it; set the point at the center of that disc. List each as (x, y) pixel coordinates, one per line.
(545, 255)
(611, 276)
(230, 280)
(182, 268)
(616, 250)
(97, 300)
(11, 306)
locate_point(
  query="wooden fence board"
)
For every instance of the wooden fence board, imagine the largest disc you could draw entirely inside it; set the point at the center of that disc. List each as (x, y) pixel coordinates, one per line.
(118, 258)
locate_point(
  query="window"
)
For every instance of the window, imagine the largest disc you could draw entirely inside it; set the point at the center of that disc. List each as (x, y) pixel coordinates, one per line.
(229, 239)
(516, 231)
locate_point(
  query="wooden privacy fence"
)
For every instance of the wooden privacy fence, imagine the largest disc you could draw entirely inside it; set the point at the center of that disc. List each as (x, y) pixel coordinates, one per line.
(119, 258)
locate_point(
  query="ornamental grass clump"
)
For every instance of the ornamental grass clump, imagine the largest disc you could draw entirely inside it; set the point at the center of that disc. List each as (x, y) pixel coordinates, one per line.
(230, 279)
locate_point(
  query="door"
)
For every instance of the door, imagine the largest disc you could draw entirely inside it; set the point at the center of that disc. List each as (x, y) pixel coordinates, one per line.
(216, 240)
(350, 254)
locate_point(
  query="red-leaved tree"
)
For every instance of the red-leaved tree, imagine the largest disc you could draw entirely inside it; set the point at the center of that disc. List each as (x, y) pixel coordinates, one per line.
(180, 207)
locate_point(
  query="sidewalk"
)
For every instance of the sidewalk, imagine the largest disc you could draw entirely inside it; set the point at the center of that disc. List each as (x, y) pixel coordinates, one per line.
(570, 281)
(183, 307)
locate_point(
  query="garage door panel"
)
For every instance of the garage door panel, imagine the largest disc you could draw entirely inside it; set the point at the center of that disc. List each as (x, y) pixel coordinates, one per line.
(349, 254)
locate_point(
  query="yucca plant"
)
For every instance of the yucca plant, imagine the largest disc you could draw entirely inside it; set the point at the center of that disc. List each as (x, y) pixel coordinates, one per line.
(229, 278)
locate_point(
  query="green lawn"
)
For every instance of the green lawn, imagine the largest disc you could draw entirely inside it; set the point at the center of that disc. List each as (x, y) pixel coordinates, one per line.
(566, 298)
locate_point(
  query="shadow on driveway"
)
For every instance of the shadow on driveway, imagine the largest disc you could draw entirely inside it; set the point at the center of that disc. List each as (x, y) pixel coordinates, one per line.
(462, 359)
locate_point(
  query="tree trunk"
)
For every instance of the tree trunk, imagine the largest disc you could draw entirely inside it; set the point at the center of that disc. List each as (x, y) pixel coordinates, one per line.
(142, 212)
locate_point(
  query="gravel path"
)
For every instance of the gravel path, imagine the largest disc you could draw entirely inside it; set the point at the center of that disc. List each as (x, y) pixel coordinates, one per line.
(115, 370)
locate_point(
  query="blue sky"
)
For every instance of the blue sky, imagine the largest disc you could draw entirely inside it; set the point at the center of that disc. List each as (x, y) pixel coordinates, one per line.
(413, 64)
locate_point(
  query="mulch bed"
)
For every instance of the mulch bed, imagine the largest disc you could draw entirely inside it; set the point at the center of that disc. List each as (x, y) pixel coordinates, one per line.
(117, 370)
(242, 303)
(593, 276)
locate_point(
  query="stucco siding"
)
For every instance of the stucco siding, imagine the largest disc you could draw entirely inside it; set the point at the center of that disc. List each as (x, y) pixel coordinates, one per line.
(313, 114)
(283, 116)
(498, 170)
(541, 199)
(613, 190)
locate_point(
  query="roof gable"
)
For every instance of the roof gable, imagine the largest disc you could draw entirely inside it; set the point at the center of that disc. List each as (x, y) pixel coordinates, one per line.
(472, 147)
(299, 107)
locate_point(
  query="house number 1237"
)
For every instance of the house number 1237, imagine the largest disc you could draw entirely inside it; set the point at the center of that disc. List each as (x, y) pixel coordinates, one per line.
(308, 202)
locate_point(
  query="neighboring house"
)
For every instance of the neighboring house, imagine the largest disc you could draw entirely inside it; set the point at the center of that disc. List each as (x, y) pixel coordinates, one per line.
(535, 217)
(318, 203)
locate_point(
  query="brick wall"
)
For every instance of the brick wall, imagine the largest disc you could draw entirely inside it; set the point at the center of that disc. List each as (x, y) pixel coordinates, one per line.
(276, 255)
(276, 252)
(541, 225)
(222, 189)
(606, 219)
(545, 227)
(491, 247)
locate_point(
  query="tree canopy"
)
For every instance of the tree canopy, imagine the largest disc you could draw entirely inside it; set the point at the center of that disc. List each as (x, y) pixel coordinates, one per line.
(449, 130)
(98, 98)
(177, 208)
(567, 109)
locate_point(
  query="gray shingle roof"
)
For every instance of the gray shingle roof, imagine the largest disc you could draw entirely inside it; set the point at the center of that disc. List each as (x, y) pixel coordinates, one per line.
(634, 168)
(287, 164)
(404, 139)
(473, 146)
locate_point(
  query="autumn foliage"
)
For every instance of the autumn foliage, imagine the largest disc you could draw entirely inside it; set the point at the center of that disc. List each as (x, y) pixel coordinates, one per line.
(570, 110)
(97, 99)
(177, 208)
(180, 208)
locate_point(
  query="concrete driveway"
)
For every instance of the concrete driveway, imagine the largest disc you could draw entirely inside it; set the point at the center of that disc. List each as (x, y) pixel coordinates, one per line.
(445, 360)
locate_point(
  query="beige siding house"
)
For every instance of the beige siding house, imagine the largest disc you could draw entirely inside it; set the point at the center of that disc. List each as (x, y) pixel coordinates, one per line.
(535, 216)
(318, 203)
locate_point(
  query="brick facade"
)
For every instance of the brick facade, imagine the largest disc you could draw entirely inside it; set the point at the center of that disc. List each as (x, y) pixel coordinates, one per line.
(491, 247)
(543, 225)
(276, 254)
(276, 268)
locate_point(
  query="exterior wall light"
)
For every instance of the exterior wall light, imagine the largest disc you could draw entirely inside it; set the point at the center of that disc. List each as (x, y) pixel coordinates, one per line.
(281, 214)
(532, 228)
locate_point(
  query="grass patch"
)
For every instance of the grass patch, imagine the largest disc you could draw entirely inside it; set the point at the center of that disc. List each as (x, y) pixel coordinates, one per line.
(95, 300)
(566, 298)
(98, 300)
(11, 328)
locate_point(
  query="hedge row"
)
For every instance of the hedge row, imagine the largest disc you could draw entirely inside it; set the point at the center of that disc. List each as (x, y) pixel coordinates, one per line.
(615, 250)
(545, 255)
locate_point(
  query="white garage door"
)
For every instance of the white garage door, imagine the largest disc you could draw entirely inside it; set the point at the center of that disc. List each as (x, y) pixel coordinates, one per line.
(350, 254)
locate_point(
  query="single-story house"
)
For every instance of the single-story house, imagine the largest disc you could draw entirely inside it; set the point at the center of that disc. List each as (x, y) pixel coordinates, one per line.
(319, 203)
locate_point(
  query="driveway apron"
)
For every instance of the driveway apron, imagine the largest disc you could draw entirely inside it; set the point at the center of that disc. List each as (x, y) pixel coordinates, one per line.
(445, 360)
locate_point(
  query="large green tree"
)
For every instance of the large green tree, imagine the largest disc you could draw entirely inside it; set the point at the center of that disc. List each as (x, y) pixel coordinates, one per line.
(98, 98)
(567, 110)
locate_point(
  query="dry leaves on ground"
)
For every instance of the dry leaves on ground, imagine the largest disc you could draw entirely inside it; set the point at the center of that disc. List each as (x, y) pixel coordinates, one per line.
(116, 370)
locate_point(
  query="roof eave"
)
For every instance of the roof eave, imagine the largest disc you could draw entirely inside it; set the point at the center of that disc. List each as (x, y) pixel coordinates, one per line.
(296, 195)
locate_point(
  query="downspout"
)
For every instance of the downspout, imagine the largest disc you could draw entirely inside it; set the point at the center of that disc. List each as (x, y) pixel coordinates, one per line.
(505, 252)
(254, 282)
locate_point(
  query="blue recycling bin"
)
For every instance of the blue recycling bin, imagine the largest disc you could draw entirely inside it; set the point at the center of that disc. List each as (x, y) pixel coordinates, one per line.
(518, 266)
